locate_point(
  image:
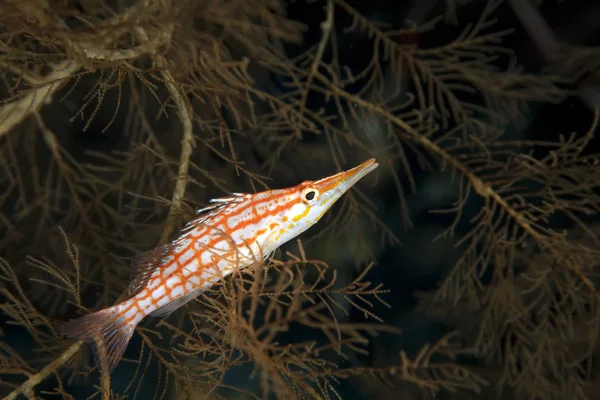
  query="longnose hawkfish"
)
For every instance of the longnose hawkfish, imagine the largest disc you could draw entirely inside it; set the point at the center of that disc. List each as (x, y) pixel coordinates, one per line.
(232, 233)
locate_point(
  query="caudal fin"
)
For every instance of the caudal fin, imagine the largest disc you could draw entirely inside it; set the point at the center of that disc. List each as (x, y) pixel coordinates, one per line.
(106, 330)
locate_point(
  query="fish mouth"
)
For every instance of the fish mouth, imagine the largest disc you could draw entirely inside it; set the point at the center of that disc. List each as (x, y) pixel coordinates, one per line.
(357, 173)
(340, 183)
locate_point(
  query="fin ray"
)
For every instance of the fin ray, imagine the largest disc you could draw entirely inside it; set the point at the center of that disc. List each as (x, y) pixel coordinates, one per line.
(144, 266)
(216, 206)
(106, 326)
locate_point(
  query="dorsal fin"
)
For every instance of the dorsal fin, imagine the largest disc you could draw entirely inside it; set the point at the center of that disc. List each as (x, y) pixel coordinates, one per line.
(216, 206)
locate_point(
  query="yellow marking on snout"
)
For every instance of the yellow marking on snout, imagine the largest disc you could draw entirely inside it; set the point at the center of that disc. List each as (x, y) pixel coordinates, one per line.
(300, 216)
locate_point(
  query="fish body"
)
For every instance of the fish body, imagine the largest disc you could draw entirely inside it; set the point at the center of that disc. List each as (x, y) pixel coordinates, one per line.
(232, 233)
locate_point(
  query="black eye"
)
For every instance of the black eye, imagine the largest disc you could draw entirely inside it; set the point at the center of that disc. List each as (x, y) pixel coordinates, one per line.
(310, 195)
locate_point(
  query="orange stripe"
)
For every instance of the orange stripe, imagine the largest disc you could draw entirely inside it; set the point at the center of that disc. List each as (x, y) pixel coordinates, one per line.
(220, 220)
(252, 202)
(243, 224)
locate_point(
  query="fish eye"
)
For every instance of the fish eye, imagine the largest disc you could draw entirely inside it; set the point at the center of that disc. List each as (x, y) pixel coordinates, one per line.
(310, 195)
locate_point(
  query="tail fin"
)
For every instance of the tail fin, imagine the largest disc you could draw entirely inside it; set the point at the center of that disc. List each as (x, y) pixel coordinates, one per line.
(106, 330)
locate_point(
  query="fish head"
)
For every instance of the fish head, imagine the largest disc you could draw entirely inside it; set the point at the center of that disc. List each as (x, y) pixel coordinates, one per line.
(307, 202)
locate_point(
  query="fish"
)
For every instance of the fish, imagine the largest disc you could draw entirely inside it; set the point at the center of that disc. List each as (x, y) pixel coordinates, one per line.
(232, 233)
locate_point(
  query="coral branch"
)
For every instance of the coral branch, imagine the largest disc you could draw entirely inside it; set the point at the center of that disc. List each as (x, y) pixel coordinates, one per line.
(27, 387)
(187, 144)
(13, 113)
(521, 287)
(326, 28)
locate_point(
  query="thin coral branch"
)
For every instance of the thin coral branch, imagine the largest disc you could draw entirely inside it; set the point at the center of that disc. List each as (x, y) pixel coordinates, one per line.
(326, 28)
(27, 387)
(187, 145)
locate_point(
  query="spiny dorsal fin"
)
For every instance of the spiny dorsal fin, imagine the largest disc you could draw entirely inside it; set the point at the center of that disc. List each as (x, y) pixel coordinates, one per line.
(216, 207)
